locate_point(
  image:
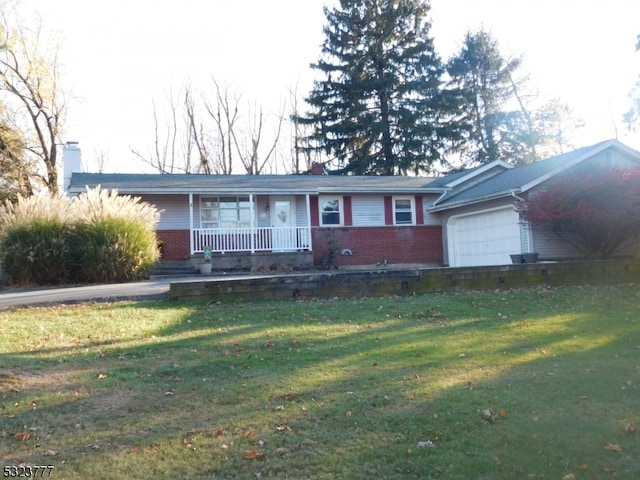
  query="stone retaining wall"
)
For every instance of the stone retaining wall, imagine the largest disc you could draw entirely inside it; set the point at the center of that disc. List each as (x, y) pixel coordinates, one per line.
(397, 281)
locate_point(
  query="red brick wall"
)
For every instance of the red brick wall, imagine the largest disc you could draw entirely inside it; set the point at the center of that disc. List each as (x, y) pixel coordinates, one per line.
(175, 244)
(369, 245)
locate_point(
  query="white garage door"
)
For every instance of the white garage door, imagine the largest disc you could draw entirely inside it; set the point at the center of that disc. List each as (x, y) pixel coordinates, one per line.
(486, 238)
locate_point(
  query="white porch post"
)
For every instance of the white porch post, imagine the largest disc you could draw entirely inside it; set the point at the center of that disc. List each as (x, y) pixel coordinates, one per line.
(309, 222)
(252, 212)
(191, 223)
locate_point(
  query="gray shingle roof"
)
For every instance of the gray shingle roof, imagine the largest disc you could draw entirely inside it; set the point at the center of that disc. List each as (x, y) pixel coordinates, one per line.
(300, 184)
(514, 179)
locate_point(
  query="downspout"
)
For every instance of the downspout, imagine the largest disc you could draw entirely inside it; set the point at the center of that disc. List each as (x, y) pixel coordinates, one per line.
(527, 225)
(191, 223)
(513, 194)
(440, 197)
(309, 221)
(252, 213)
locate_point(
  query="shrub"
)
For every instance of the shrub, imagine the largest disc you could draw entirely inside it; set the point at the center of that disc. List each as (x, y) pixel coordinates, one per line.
(113, 238)
(111, 250)
(598, 213)
(35, 252)
(33, 247)
(96, 237)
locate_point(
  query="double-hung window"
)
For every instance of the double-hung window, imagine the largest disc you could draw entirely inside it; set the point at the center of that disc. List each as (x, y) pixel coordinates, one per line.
(331, 213)
(225, 212)
(404, 211)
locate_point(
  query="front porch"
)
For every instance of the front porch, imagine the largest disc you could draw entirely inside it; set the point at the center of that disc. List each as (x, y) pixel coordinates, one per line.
(252, 239)
(249, 224)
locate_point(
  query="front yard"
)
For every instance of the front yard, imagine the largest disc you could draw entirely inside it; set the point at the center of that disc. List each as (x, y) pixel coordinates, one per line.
(532, 383)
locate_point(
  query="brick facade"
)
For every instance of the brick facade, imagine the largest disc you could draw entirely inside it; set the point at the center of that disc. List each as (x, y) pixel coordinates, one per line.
(369, 245)
(175, 244)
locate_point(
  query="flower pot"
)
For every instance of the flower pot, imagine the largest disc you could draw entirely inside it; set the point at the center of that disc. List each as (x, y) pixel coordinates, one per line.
(517, 258)
(205, 268)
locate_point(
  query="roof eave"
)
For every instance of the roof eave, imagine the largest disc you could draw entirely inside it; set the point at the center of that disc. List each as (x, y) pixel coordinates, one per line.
(484, 198)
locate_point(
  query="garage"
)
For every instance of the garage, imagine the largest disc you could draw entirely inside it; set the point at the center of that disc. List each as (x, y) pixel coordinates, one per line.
(483, 238)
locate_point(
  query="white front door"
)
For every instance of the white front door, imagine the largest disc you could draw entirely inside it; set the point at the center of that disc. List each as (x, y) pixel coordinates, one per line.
(283, 221)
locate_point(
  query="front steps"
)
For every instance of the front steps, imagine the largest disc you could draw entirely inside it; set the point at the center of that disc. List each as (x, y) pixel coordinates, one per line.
(173, 269)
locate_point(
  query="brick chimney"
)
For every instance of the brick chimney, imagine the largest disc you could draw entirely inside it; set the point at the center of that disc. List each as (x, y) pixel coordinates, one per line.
(317, 168)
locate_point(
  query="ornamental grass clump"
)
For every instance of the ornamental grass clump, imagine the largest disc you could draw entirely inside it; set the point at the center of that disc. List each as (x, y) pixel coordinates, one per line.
(33, 240)
(94, 238)
(112, 238)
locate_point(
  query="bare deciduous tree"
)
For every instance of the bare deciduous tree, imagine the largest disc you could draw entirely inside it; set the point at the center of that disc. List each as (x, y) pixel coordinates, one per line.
(29, 77)
(172, 146)
(248, 143)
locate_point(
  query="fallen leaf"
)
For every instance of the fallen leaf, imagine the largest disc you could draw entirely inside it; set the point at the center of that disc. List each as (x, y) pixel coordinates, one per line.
(252, 454)
(348, 414)
(194, 432)
(281, 427)
(220, 432)
(22, 436)
(569, 476)
(629, 427)
(102, 376)
(282, 451)
(502, 414)
(249, 433)
(612, 447)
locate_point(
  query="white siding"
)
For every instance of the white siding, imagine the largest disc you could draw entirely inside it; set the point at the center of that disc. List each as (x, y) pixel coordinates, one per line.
(430, 218)
(174, 209)
(367, 211)
(301, 211)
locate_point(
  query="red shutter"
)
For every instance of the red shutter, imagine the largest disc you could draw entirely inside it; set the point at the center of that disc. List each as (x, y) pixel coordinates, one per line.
(388, 210)
(419, 210)
(314, 211)
(348, 213)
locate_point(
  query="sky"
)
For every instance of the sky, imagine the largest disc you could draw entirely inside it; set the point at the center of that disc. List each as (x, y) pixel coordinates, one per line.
(117, 57)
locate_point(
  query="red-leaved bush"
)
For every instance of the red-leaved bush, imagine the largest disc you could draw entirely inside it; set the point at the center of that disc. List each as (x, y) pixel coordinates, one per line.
(598, 213)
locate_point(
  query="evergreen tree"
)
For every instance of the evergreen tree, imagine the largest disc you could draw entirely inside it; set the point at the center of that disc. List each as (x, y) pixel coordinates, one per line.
(379, 106)
(483, 81)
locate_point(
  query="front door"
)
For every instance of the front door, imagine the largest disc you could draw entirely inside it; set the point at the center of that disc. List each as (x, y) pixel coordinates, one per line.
(283, 221)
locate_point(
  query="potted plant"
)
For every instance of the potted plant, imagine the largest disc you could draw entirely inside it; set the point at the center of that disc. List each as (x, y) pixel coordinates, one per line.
(205, 268)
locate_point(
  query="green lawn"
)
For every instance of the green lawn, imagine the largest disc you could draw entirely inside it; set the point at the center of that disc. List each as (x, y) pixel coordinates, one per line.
(539, 383)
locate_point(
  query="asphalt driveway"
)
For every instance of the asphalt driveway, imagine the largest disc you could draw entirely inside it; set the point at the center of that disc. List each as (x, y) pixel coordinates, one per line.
(145, 290)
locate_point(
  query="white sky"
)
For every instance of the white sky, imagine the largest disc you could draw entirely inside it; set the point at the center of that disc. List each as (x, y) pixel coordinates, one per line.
(120, 55)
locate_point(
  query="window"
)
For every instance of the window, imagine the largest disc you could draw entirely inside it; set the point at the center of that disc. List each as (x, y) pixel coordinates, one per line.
(330, 211)
(403, 211)
(225, 212)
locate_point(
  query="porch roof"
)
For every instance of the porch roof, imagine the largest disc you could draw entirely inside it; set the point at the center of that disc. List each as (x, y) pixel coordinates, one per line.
(142, 183)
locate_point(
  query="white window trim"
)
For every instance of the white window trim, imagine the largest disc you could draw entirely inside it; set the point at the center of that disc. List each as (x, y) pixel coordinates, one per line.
(412, 200)
(217, 198)
(340, 203)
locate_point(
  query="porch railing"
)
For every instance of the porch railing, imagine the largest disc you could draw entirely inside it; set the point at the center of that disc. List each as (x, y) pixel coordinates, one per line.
(251, 239)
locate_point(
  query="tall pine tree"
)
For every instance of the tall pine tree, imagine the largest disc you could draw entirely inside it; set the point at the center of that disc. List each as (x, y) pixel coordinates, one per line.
(378, 108)
(483, 80)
